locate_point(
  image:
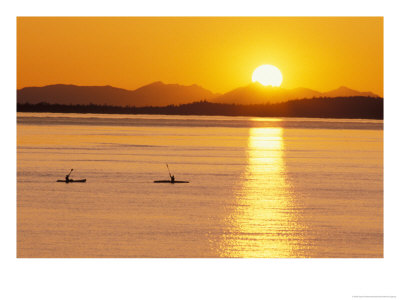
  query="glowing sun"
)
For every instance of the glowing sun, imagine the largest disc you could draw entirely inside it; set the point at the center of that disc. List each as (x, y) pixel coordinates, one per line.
(267, 75)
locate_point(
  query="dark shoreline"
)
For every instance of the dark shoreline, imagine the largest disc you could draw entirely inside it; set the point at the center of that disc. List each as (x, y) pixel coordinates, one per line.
(341, 107)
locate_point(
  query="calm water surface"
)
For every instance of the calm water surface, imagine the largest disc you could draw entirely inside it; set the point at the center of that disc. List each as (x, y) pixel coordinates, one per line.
(259, 187)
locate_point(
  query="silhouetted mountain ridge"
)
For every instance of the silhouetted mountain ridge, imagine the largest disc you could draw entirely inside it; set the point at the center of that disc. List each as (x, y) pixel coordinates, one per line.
(256, 93)
(161, 94)
(347, 92)
(156, 93)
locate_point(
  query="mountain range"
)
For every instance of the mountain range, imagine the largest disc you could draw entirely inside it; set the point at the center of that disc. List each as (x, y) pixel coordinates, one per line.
(255, 93)
(161, 94)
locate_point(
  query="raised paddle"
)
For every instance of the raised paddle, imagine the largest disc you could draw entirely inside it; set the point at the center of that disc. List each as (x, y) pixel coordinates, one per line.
(168, 171)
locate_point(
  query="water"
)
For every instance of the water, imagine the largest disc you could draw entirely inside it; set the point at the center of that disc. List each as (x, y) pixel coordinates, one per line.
(259, 187)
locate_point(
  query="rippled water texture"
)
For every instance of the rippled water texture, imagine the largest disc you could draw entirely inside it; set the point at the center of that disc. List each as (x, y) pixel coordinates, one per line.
(258, 187)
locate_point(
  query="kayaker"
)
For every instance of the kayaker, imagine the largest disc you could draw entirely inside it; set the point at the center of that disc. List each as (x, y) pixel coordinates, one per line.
(67, 176)
(172, 178)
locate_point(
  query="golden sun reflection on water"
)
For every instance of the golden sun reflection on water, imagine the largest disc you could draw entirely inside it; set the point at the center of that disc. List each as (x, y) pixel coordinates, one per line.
(263, 223)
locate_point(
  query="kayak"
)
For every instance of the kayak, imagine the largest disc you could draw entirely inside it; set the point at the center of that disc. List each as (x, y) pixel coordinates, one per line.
(169, 181)
(72, 180)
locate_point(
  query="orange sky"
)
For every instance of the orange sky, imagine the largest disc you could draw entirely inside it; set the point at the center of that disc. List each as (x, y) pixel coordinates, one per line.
(219, 54)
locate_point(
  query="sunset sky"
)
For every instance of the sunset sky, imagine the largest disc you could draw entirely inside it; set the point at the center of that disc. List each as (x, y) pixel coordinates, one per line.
(219, 54)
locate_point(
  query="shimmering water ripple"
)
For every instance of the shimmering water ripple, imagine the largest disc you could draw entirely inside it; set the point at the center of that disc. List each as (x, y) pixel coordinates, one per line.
(259, 187)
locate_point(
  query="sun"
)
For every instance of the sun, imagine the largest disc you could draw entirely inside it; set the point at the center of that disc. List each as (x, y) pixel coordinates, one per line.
(267, 75)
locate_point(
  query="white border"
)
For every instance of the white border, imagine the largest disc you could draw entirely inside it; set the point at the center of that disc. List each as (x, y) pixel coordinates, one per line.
(198, 278)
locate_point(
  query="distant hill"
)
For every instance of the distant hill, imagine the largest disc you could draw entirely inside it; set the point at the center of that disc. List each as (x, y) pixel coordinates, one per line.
(156, 94)
(160, 94)
(256, 93)
(346, 92)
(340, 107)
